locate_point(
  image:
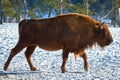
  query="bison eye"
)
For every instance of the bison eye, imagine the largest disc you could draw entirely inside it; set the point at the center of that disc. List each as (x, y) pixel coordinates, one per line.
(105, 32)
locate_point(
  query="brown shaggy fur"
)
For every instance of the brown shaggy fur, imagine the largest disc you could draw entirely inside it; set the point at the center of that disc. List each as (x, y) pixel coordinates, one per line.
(70, 32)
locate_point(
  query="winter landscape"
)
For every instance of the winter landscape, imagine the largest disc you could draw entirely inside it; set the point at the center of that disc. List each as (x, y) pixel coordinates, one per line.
(104, 64)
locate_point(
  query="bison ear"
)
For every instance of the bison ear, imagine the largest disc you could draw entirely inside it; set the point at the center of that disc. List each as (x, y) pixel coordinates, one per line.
(96, 26)
(99, 26)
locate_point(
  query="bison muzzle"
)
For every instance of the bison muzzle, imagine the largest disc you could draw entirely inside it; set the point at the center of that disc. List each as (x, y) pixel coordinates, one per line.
(71, 33)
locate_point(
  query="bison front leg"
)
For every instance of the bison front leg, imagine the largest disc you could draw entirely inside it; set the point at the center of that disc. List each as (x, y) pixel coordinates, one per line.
(28, 54)
(65, 58)
(84, 56)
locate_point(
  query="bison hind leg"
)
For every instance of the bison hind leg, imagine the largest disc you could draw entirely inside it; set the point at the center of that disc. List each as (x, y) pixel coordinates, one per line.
(14, 51)
(28, 54)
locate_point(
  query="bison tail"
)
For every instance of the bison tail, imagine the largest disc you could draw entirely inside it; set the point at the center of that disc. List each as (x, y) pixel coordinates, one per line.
(21, 24)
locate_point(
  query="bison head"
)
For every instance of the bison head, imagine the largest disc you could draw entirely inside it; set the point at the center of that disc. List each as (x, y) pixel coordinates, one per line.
(102, 34)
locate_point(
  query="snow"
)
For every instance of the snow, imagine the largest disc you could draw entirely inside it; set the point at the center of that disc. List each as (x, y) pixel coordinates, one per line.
(103, 64)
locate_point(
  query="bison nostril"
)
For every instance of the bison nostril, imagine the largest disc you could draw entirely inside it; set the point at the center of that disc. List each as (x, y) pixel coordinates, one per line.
(109, 41)
(112, 40)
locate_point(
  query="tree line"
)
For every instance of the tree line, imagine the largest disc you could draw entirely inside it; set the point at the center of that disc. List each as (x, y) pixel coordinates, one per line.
(16, 10)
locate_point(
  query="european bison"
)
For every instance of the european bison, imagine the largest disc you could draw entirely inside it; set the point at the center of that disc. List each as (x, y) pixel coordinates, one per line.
(70, 32)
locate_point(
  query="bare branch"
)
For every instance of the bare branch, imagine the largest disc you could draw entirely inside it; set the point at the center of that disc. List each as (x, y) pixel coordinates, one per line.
(109, 12)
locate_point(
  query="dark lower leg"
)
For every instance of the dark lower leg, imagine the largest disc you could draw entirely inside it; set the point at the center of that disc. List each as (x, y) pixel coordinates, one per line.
(14, 51)
(63, 68)
(65, 58)
(84, 56)
(28, 54)
(9, 59)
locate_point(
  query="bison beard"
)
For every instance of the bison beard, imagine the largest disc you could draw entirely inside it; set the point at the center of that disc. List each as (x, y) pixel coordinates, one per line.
(70, 32)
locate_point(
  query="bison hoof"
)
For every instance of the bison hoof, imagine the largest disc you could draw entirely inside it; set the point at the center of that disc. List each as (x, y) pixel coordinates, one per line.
(86, 67)
(5, 68)
(33, 69)
(63, 70)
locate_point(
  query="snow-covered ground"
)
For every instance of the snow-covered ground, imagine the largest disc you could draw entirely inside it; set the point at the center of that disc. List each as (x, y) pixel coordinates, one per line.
(103, 65)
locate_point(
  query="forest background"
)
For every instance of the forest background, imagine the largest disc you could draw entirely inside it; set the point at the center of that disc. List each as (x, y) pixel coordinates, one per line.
(17, 10)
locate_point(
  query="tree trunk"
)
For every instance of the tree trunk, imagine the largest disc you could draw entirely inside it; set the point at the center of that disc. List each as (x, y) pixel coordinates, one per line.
(19, 12)
(1, 12)
(49, 13)
(25, 13)
(61, 6)
(86, 7)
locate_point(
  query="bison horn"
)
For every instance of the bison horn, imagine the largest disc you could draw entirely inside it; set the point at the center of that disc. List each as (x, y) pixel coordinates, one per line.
(102, 25)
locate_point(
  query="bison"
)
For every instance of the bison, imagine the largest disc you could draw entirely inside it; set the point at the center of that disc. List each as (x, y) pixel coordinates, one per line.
(70, 32)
